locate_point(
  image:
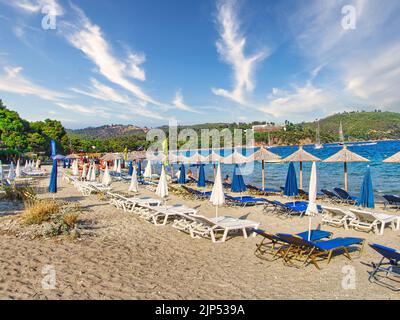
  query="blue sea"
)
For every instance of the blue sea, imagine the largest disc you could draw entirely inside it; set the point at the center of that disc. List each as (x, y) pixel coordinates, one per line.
(386, 177)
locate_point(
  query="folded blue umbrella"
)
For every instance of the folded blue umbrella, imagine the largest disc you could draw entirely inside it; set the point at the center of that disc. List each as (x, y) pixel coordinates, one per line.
(238, 184)
(130, 172)
(291, 188)
(53, 178)
(202, 177)
(182, 174)
(366, 199)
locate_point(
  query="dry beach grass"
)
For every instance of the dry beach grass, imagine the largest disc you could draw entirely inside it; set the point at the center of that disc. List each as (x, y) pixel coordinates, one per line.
(121, 256)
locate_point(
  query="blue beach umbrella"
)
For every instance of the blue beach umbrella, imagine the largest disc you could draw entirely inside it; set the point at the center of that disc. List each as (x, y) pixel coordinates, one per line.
(69, 163)
(366, 199)
(238, 184)
(64, 164)
(202, 177)
(291, 188)
(130, 171)
(182, 174)
(53, 178)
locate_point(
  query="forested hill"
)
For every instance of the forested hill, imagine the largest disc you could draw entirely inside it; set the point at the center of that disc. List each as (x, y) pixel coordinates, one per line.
(19, 136)
(106, 132)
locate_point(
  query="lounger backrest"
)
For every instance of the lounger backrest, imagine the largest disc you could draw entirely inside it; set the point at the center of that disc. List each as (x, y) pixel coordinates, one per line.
(203, 220)
(295, 240)
(267, 235)
(342, 193)
(388, 253)
(328, 193)
(391, 198)
(364, 216)
(335, 211)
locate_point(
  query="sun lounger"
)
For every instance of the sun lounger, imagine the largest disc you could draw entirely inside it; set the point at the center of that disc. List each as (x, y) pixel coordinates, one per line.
(391, 200)
(345, 197)
(243, 201)
(155, 213)
(387, 271)
(200, 226)
(336, 217)
(273, 245)
(330, 196)
(368, 221)
(309, 252)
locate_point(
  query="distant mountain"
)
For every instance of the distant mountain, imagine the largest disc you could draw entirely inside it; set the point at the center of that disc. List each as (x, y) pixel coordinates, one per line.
(361, 125)
(106, 132)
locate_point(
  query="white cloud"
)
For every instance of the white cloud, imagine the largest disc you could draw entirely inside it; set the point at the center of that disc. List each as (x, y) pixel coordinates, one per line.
(102, 92)
(231, 48)
(13, 81)
(92, 110)
(88, 38)
(36, 6)
(298, 101)
(180, 104)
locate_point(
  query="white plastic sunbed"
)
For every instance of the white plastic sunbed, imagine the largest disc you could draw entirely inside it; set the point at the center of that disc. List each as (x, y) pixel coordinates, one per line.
(337, 217)
(367, 221)
(155, 213)
(201, 226)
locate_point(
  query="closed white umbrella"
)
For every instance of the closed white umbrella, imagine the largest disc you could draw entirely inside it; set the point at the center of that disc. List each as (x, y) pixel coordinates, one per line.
(18, 170)
(37, 164)
(134, 187)
(162, 187)
(26, 165)
(119, 167)
(147, 172)
(84, 171)
(1, 171)
(11, 172)
(106, 180)
(93, 174)
(115, 165)
(217, 195)
(75, 168)
(89, 173)
(312, 197)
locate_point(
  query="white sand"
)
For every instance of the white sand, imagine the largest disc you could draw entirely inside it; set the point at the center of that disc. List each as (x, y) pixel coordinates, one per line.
(128, 258)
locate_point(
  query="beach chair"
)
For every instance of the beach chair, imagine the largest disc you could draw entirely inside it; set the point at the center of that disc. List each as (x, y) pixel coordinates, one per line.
(368, 221)
(312, 251)
(345, 197)
(391, 200)
(243, 201)
(330, 196)
(155, 213)
(273, 245)
(213, 227)
(336, 217)
(387, 271)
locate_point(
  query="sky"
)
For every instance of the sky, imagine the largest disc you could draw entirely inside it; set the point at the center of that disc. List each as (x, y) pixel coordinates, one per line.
(148, 62)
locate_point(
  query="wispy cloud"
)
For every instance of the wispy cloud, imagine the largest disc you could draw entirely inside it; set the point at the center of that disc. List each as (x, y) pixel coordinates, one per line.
(89, 38)
(103, 92)
(180, 104)
(13, 81)
(231, 47)
(36, 6)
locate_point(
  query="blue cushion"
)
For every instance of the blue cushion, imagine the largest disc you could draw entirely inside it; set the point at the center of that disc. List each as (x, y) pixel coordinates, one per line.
(337, 243)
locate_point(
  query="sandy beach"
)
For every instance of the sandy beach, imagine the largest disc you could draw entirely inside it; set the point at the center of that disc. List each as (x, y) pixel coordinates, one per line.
(121, 256)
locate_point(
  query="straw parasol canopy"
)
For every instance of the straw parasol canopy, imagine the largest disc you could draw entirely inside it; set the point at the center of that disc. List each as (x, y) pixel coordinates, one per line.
(72, 156)
(137, 155)
(345, 156)
(301, 156)
(158, 156)
(236, 158)
(264, 155)
(196, 158)
(111, 157)
(393, 159)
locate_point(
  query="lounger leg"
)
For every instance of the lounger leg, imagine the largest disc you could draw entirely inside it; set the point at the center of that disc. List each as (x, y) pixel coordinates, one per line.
(225, 235)
(382, 228)
(244, 233)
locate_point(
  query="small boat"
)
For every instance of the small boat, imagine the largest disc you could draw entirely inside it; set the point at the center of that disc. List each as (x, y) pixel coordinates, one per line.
(318, 144)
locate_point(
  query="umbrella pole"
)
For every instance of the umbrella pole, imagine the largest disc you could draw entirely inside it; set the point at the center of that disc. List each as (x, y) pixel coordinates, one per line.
(262, 176)
(216, 211)
(301, 175)
(345, 177)
(309, 228)
(215, 171)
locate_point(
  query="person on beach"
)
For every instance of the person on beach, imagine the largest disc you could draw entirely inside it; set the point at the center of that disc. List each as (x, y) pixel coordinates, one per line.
(190, 175)
(227, 179)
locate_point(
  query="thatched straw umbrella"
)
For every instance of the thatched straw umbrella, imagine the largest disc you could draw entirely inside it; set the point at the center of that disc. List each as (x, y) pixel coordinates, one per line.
(136, 155)
(393, 159)
(72, 156)
(236, 158)
(301, 156)
(111, 157)
(345, 156)
(264, 155)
